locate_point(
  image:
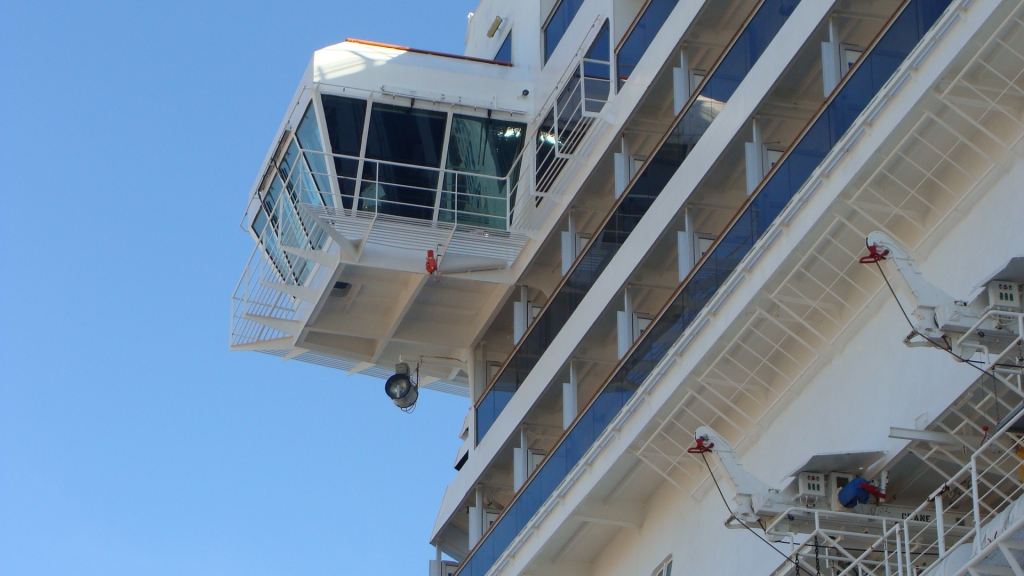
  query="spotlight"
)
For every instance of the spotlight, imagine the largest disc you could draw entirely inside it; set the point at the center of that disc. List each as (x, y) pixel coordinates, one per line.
(401, 389)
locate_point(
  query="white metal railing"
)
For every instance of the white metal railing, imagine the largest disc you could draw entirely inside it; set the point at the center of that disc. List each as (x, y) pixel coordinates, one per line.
(998, 320)
(260, 310)
(571, 118)
(452, 196)
(566, 125)
(959, 520)
(306, 213)
(840, 542)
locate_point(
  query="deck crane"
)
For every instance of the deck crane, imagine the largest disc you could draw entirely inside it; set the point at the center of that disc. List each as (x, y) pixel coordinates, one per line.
(988, 324)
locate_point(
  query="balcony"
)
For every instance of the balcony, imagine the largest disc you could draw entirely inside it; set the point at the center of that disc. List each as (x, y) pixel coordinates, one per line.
(711, 278)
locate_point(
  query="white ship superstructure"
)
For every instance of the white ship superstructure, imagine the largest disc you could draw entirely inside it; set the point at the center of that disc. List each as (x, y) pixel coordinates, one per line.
(731, 287)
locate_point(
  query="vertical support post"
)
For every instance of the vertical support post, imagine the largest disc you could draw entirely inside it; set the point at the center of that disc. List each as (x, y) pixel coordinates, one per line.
(570, 245)
(681, 88)
(939, 525)
(831, 67)
(474, 385)
(686, 243)
(622, 167)
(899, 551)
(885, 549)
(476, 518)
(624, 324)
(436, 568)
(755, 161)
(521, 313)
(906, 545)
(473, 366)
(570, 392)
(439, 192)
(478, 382)
(521, 461)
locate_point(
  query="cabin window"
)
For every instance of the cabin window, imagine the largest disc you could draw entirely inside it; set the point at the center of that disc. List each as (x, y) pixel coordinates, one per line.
(505, 52)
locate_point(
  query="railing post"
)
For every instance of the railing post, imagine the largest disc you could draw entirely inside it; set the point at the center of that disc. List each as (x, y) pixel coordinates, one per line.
(583, 87)
(899, 552)
(885, 549)
(940, 526)
(906, 546)
(974, 496)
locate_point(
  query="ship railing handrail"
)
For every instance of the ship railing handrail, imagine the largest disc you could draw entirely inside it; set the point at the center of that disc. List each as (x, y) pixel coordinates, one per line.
(536, 472)
(574, 72)
(510, 181)
(933, 538)
(997, 544)
(245, 294)
(252, 288)
(990, 362)
(979, 470)
(766, 179)
(694, 97)
(832, 539)
(567, 74)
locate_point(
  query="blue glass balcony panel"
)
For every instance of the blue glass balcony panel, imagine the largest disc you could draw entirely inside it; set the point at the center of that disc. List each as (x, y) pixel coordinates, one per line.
(640, 37)
(559, 22)
(632, 207)
(756, 37)
(768, 201)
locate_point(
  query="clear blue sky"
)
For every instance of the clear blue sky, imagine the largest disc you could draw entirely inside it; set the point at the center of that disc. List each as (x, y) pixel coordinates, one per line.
(131, 440)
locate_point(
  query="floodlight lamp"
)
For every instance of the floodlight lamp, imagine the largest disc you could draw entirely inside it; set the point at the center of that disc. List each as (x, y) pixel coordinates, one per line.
(400, 387)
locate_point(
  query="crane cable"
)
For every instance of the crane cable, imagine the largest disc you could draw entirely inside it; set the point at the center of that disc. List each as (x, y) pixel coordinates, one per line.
(744, 524)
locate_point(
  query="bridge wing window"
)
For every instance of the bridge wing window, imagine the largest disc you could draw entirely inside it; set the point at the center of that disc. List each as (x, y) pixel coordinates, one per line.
(484, 146)
(406, 135)
(344, 119)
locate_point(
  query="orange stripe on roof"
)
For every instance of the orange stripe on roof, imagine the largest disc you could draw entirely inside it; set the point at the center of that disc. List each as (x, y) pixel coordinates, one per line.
(428, 52)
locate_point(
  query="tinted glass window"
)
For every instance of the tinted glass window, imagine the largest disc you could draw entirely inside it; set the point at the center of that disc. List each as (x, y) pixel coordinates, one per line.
(308, 135)
(308, 132)
(405, 135)
(597, 71)
(344, 118)
(505, 52)
(601, 48)
(484, 146)
(560, 19)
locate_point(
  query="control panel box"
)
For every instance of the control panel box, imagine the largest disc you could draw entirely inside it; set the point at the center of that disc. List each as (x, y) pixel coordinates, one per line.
(811, 484)
(1004, 295)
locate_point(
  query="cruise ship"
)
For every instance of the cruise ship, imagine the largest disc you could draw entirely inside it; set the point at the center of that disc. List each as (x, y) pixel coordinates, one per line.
(729, 286)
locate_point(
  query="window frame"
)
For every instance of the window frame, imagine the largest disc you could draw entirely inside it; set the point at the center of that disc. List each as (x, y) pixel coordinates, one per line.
(511, 49)
(664, 568)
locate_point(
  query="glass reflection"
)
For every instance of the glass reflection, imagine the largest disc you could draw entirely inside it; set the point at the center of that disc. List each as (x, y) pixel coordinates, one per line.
(344, 118)
(641, 36)
(405, 135)
(634, 204)
(558, 23)
(875, 68)
(597, 71)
